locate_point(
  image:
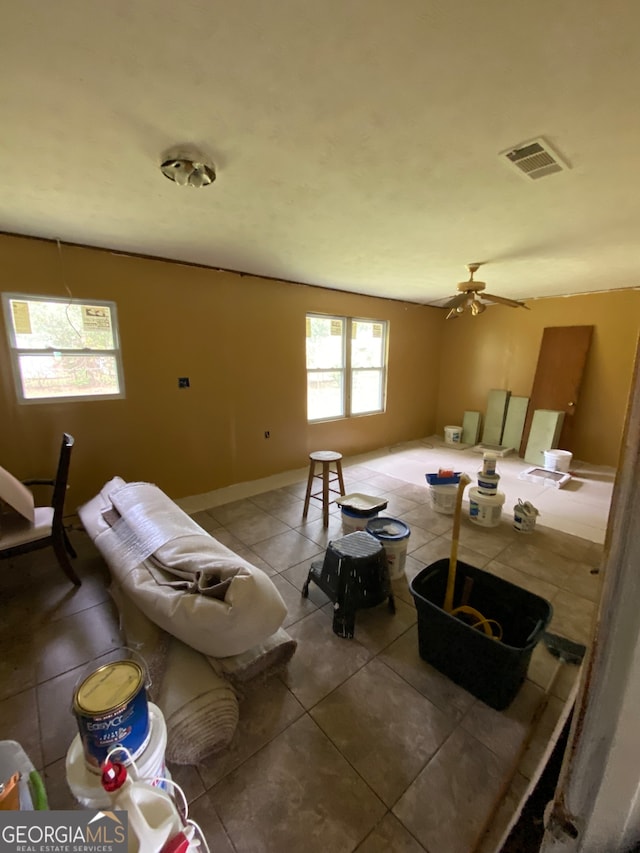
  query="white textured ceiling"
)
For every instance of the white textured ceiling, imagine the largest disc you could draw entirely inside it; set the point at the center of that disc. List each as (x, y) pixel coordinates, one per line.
(356, 141)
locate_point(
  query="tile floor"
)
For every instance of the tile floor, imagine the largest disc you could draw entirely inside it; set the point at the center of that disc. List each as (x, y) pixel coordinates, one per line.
(358, 744)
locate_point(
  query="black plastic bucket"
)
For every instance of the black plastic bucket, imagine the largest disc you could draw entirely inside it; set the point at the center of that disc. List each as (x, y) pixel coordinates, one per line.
(492, 670)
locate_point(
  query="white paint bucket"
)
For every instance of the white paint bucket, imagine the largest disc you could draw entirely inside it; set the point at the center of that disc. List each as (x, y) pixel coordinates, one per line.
(488, 483)
(453, 434)
(394, 535)
(485, 510)
(356, 519)
(524, 517)
(443, 498)
(86, 786)
(558, 460)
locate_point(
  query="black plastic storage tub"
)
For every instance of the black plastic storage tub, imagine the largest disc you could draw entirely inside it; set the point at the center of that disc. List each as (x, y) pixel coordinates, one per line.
(491, 669)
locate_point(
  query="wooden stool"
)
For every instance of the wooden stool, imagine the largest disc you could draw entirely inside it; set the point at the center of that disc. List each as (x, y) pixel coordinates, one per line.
(325, 458)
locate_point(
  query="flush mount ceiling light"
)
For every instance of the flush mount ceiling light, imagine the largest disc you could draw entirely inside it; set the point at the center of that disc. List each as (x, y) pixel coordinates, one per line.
(188, 173)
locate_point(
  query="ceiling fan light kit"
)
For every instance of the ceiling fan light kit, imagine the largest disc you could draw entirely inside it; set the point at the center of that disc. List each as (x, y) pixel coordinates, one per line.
(468, 297)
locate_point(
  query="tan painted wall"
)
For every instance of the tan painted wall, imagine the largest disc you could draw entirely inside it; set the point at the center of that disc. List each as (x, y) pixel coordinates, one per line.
(499, 349)
(240, 340)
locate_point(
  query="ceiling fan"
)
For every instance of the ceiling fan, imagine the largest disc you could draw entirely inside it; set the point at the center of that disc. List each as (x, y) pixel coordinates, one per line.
(469, 298)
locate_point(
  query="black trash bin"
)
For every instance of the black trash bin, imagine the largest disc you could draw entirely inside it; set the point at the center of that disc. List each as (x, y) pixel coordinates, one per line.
(492, 670)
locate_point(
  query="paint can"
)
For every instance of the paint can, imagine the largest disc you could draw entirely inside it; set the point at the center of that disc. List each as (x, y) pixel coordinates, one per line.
(488, 483)
(453, 434)
(485, 510)
(558, 460)
(354, 519)
(86, 786)
(394, 535)
(524, 517)
(111, 709)
(488, 464)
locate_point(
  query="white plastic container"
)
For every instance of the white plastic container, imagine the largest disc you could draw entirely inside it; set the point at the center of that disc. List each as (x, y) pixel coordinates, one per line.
(558, 460)
(353, 520)
(488, 483)
(86, 786)
(485, 510)
(443, 498)
(394, 535)
(153, 817)
(489, 464)
(524, 517)
(453, 434)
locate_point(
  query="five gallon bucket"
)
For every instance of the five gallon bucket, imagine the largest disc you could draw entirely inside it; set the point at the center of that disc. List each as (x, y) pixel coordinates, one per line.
(485, 510)
(453, 434)
(394, 535)
(558, 460)
(354, 519)
(443, 498)
(86, 786)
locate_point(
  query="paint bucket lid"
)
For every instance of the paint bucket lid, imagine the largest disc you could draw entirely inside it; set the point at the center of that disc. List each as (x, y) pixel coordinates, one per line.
(108, 687)
(388, 529)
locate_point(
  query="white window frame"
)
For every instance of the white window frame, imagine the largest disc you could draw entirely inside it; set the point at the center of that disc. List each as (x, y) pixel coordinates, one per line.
(348, 371)
(16, 351)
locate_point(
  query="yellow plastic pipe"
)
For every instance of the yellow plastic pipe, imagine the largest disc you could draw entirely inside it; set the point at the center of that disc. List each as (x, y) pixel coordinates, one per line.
(455, 535)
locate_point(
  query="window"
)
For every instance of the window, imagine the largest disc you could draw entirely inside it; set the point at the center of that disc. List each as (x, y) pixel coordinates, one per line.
(62, 349)
(346, 366)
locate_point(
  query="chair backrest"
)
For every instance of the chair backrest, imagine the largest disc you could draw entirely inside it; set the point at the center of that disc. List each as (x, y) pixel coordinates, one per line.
(62, 475)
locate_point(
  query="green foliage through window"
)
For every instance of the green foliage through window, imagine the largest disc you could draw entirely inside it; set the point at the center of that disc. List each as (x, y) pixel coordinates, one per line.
(63, 348)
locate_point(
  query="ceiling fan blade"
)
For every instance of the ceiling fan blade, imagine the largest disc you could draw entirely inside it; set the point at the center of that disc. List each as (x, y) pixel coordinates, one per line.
(452, 314)
(456, 300)
(501, 299)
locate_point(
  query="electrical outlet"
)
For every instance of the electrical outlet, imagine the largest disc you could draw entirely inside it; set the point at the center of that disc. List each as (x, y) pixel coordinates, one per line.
(183, 382)
(267, 434)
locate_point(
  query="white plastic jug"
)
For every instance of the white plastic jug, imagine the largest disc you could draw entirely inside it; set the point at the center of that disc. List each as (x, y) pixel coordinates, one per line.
(154, 820)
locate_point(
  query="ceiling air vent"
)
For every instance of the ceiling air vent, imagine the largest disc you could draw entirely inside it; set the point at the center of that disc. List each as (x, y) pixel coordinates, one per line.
(535, 159)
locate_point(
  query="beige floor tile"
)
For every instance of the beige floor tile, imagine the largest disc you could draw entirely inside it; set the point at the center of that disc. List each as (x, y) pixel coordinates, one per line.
(538, 562)
(377, 627)
(533, 584)
(296, 794)
(446, 805)
(297, 575)
(59, 725)
(19, 721)
(385, 728)
(440, 549)
(286, 550)
(256, 527)
(390, 836)
(297, 606)
(427, 518)
(76, 639)
(318, 533)
(17, 661)
(418, 536)
(322, 660)
(504, 732)
(266, 709)
(403, 657)
(572, 617)
(203, 812)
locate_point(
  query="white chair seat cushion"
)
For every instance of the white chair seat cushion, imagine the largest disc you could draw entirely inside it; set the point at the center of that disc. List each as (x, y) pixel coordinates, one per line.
(16, 530)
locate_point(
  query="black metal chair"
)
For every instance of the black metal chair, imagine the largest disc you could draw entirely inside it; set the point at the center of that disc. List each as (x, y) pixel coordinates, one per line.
(21, 536)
